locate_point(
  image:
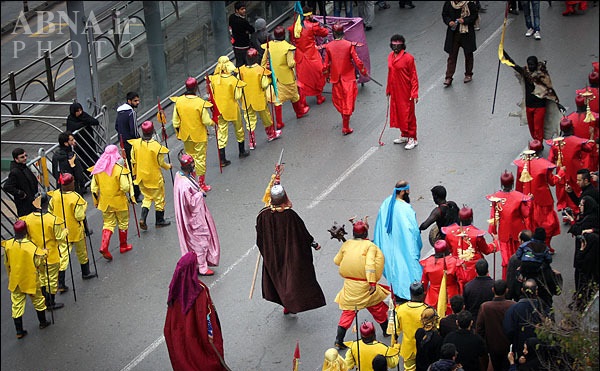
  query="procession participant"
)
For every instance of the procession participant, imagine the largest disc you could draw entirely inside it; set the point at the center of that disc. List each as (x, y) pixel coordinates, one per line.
(257, 79)
(509, 215)
(279, 58)
(397, 235)
(581, 128)
(309, 63)
(333, 361)
(434, 268)
(191, 120)
(360, 263)
(363, 354)
(111, 187)
(46, 231)
(568, 153)
(21, 183)
(147, 159)
(467, 243)
(195, 225)
(402, 91)
(445, 213)
(535, 175)
(126, 127)
(288, 274)
(339, 67)
(593, 79)
(22, 258)
(407, 322)
(227, 91)
(74, 210)
(191, 314)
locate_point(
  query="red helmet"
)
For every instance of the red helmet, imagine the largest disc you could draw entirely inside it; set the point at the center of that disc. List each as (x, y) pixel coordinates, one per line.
(279, 33)
(252, 53)
(20, 227)
(579, 101)
(566, 124)
(465, 213)
(536, 145)
(186, 160)
(593, 77)
(360, 227)
(367, 329)
(147, 127)
(507, 179)
(338, 27)
(440, 246)
(66, 178)
(191, 83)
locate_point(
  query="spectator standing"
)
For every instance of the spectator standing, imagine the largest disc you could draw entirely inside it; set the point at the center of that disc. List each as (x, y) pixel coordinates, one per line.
(22, 184)
(448, 323)
(337, 8)
(428, 339)
(489, 325)
(531, 11)
(472, 353)
(447, 361)
(587, 264)
(521, 319)
(126, 127)
(402, 91)
(366, 10)
(65, 161)
(586, 220)
(460, 17)
(80, 120)
(479, 290)
(259, 37)
(240, 30)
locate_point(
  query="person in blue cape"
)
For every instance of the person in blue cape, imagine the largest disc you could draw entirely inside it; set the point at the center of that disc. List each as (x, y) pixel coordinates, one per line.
(398, 236)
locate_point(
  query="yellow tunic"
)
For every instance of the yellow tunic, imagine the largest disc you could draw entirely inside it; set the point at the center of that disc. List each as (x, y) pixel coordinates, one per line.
(257, 79)
(22, 259)
(408, 321)
(191, 117)
(75, 208)
(368, 352)
(361, 263)
(147, 159)
(227, 90)
(112, 189)
(53, 232)
(282, 60)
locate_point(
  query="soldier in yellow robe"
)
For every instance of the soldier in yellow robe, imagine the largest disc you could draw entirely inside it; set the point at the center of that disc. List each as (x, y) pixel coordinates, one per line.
(74, 214)
(191, 120)
(111, 186)
(227, 91)
(147, 160)
(254, 99)
(369, 347)
(22, 259)
(361, 265)
(47, 231)
(279, 58)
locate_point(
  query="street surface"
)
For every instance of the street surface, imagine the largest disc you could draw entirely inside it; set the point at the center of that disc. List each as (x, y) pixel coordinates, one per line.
(117, 321)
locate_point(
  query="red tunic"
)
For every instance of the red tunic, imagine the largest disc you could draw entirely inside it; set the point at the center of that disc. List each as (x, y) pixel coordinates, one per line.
(433, 272)
(468, 244)
(339, 58)
(403, 89)
(309, 63)
(593, 102)
(544, 215)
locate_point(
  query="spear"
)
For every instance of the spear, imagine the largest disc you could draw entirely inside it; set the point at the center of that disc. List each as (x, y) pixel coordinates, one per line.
(357, 337)
(62, 201)
(160, 116)
(124, 155)
(46, 184)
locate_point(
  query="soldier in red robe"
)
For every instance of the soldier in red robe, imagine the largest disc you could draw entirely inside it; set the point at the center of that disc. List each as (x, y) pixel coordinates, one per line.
(309, 63)
(433, 273)
(593, 79)
(403, 92)
(568, 152)
(509, 214)
(581, 128)
(339, 69)
(467, 243)
(542, 177)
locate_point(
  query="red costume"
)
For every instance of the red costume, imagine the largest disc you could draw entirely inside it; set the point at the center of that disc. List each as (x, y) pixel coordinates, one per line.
(309, 63)
(433, 273)
(403, 88)
(594, 101)
(542, 173)
(571, 152)
(339, 57)
(581, 128)
(509, 213)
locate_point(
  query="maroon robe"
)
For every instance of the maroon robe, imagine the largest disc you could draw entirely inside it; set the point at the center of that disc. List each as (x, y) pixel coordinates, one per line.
(288, 274)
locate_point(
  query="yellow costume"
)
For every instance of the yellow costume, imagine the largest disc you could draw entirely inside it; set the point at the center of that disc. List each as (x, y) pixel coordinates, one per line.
(147, 159)
(368, 351)
(227, 91)
(75, 208)
(408, 321)
(257, 79)
(333, 361)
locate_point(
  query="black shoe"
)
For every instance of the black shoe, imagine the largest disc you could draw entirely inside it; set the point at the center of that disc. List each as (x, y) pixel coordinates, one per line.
(224, 160)
(340, 345)
(368, 28)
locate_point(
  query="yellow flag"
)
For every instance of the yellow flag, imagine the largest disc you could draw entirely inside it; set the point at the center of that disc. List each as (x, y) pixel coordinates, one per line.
(501, 45)
(442, 298)
(267, 196)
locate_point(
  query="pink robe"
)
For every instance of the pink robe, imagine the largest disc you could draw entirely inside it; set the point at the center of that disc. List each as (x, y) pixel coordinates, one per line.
(195, 225)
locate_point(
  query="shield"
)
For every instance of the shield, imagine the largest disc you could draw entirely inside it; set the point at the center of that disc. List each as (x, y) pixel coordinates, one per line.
(434, 235)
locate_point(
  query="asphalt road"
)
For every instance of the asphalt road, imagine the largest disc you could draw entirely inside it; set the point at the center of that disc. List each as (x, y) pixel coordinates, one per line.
(117, 321)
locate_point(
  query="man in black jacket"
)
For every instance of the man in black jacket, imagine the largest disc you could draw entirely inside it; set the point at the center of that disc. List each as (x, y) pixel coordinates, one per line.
(86, 148)
(241, 30)
(127, 128)
(22, 184)
(65, 160)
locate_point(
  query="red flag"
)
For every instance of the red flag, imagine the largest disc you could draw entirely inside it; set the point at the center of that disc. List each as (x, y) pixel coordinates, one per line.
(296, 361)
(60, 179)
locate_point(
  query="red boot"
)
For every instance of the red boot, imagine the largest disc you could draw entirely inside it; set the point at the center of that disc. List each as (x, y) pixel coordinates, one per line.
(106, 235)
(320, 99)
(272, 134)
(346, 125)
(205, 187)
(123, 246)
(278, 117)
(300, 109)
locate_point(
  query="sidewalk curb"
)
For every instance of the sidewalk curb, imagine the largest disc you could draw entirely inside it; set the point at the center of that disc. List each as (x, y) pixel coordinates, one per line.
(10, 26)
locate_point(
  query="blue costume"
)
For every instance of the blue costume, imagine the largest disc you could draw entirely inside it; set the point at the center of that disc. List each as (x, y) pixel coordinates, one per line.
(398, 236)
